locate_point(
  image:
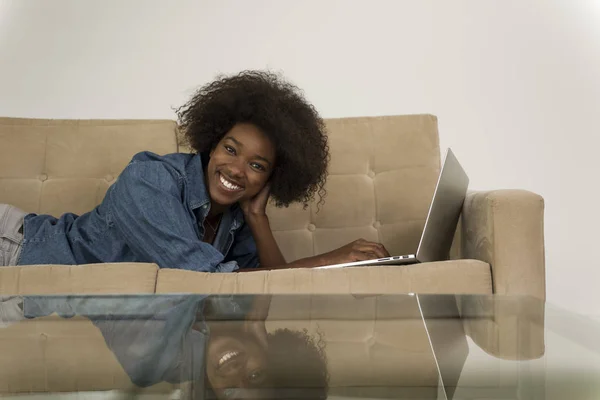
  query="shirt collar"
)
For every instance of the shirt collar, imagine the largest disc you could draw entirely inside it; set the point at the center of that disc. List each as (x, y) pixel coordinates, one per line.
(194, 171)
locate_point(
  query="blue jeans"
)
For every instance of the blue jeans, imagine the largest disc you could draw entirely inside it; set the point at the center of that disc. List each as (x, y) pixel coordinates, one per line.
(11, 234)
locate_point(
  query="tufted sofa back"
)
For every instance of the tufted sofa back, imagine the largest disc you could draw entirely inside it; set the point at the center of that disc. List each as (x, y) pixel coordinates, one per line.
(58, 166)
(382, 174)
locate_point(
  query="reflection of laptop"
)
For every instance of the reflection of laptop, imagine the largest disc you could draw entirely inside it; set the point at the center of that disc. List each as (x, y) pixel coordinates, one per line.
(447, 340)
(441, 221)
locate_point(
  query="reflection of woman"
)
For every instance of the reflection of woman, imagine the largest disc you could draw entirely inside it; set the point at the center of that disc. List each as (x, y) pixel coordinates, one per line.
(217, 341)
(244, 361)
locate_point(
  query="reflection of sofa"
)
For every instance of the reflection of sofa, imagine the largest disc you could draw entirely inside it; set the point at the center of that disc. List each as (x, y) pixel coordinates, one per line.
(382, 175)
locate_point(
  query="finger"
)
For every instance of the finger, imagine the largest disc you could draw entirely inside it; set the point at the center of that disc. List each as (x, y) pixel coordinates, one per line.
(258, 330)
(356, 255)
(267, 189)
(384, 251)
(380, 251)
(264, 194)
(375, 248)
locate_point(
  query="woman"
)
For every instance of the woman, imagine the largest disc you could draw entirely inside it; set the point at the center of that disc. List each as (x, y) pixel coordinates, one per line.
(255, 138)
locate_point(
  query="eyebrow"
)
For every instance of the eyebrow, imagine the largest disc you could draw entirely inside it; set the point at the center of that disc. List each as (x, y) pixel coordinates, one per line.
(240, 144)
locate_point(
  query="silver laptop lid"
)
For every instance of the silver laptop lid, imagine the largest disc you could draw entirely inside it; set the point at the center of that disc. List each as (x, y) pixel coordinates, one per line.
(444, 211)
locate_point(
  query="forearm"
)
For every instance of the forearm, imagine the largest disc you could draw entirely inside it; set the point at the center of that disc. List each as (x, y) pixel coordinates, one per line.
(309, 262)
(269, 253)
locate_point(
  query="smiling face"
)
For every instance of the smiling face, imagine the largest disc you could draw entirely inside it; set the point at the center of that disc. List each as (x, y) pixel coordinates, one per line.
(240, 166)
(236, 361)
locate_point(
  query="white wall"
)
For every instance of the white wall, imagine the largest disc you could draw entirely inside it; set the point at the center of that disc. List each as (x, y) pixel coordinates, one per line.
(514, 83)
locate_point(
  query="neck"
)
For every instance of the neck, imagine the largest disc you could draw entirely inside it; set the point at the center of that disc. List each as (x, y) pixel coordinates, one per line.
(216, 210)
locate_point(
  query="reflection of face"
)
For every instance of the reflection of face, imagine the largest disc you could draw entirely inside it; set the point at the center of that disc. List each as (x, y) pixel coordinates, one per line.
(235, 359)
(240, 165)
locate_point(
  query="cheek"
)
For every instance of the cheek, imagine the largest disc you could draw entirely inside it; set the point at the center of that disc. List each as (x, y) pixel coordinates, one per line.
(214, 382)
(211, 164)
(258, 181)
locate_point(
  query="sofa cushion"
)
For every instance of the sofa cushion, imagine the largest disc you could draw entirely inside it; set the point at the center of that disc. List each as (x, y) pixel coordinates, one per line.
(456, 276)
(58, 166)
(117, 278)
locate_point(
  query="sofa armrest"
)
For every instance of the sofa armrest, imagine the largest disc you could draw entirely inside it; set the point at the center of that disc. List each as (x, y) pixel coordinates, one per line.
(505, 228)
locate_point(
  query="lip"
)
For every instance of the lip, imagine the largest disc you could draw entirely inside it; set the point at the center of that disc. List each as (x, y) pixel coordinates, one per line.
(232, 181)
(227, 358)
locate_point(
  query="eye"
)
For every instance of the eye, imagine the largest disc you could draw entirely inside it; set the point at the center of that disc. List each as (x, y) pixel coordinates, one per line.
(258, 166)
(229, 149)
(255, 376)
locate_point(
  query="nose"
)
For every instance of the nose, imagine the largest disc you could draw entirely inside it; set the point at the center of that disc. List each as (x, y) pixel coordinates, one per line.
(236, 169)
(237, 374)
(238, 378)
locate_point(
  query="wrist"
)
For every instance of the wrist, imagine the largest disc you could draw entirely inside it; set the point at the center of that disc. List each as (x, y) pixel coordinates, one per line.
(322, 260)
(256, 219)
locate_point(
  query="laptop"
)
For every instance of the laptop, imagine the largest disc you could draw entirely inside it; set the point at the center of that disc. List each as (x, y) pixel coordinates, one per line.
(441, 222)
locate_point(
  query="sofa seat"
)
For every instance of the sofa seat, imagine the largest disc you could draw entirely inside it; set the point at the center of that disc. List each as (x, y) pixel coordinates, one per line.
(363, 347)
(455, 276)
(117, 278)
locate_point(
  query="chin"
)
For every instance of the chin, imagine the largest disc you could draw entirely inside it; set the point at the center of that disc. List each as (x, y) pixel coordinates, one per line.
(224, 201)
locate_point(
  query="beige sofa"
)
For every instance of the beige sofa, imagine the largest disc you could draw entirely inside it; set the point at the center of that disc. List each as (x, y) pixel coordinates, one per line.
(382, 175)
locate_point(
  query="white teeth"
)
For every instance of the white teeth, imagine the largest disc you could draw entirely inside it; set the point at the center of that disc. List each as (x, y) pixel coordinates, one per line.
(227, 356)
(228, 184)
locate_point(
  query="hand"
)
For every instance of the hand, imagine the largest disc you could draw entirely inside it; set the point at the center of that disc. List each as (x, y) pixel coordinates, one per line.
(255, 319)
(359, 250)
(258, 331)
(257, 205)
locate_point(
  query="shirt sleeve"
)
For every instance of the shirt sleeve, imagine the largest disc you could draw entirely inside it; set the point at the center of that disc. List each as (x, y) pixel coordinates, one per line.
(146, 206)
(243, 250)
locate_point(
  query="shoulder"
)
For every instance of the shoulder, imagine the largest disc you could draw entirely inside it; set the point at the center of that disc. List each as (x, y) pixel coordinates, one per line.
(228, 307)
(182, 164)
(175, 160)
(146, 164)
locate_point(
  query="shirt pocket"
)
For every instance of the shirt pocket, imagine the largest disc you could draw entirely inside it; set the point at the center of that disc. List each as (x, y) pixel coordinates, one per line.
(11, 238)
(9, 250)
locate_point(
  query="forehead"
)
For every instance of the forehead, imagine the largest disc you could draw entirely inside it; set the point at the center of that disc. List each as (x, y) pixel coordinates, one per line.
(252, 139)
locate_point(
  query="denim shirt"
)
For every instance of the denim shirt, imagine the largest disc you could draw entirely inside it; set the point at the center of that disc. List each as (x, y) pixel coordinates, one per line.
(154, 212)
